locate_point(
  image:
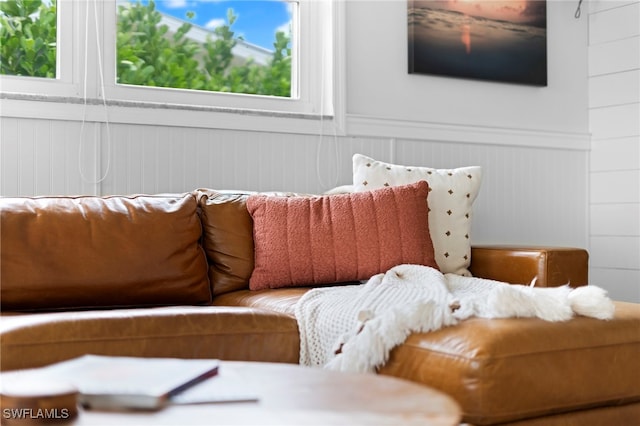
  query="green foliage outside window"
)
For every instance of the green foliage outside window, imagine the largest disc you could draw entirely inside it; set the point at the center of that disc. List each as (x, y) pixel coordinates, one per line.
(28, 38)
(147, 54)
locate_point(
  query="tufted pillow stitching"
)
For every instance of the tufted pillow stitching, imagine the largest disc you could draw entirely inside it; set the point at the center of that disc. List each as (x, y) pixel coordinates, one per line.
(296, 254)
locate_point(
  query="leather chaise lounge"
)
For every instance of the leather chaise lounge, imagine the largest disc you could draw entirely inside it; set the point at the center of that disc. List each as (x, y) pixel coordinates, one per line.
(167, 276)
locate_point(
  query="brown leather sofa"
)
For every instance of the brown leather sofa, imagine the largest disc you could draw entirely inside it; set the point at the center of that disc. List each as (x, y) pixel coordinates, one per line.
(166, 275)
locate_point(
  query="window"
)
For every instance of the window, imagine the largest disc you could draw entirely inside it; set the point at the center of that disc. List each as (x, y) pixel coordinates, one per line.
(307, 33)
(224, 46)
(143, 58)
(28, 33)
(35, 55)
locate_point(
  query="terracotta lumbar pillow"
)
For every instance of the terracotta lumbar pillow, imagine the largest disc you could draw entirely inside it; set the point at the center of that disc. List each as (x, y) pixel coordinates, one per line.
(338, 238)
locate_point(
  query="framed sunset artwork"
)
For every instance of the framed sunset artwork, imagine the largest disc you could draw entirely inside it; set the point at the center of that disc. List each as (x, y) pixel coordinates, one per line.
(494, 40)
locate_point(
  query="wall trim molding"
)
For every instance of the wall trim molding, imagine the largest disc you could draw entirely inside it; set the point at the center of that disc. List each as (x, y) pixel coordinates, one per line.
(371, 126)
(140, 113)
(354, 124)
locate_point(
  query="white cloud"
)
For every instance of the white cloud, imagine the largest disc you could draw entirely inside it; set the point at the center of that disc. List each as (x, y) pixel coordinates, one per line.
(285, 28)
(215, 23)
(175, 4)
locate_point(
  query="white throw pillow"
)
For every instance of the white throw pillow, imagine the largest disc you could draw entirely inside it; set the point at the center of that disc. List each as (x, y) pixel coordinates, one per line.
(450, 201)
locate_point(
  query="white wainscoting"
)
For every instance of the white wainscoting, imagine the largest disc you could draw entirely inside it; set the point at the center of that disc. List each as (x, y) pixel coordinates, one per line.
(614, 119)
(528, 196)
(42, 157)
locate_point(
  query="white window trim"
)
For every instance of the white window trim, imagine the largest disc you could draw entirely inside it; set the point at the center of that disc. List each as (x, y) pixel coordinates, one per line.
(66, 82)
(321, 54)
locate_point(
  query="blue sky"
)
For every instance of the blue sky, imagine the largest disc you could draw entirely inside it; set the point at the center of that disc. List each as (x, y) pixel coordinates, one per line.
(257, 21)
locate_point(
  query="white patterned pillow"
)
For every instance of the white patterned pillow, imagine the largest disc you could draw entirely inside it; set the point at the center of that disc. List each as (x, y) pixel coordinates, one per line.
(450, 202)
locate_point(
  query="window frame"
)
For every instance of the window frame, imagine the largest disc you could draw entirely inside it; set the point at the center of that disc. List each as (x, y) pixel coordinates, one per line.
(66, 82)
(300, 101)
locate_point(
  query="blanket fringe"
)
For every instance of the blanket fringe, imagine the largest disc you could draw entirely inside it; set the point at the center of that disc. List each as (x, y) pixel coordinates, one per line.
(383, 333)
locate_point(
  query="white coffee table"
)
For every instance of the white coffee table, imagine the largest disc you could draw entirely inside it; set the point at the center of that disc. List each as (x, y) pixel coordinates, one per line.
(289, 394)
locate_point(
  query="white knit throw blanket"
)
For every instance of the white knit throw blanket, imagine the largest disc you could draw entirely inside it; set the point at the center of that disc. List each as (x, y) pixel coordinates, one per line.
(353, 328)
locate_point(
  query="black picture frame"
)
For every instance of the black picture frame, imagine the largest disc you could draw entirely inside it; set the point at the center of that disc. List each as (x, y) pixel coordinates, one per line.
(491, 40)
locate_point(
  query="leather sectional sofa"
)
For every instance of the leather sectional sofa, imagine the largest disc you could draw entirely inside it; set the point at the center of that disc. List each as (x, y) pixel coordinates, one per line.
(167, 276)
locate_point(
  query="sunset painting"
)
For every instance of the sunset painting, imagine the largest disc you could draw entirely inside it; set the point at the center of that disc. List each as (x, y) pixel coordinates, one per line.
(496, 40)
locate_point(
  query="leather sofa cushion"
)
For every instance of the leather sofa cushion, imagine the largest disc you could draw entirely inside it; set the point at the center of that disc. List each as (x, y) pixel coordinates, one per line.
(37, 339)
(502, 370)
(227, 238)
(505, 370)
(85, 252)
(281, 300)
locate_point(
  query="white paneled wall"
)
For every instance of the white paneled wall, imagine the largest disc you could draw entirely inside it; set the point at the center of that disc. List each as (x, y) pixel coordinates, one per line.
(40, 157)
(528, 196)
(614, 117)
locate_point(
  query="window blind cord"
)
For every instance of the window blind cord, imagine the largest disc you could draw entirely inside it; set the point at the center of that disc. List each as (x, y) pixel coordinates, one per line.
(578, 11)
(102, 89)
(321, 134)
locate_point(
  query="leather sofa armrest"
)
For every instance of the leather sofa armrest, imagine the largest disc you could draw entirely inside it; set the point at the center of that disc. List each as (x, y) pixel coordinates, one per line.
(552, 266)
